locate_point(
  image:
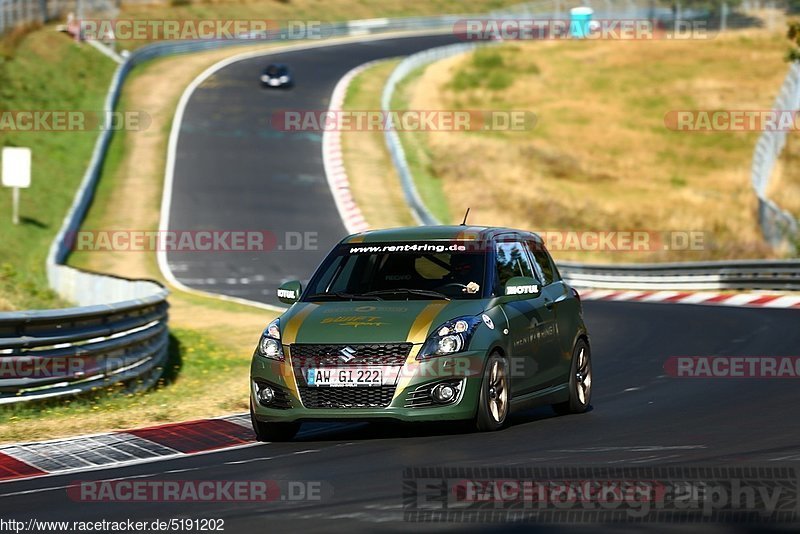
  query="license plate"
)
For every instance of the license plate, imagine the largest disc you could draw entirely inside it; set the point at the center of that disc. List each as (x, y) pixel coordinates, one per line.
(345, 377)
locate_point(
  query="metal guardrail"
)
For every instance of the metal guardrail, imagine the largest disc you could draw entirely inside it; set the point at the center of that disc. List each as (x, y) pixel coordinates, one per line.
(777, 225)
(46, 354)
(751, 274)
(418, 209)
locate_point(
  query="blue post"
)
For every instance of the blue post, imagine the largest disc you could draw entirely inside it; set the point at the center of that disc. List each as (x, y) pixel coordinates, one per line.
(579, 21)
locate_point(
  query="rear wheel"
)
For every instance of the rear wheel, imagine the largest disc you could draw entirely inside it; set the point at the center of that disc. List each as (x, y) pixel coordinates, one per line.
(495, 396)
(580, 381)
(272, 431)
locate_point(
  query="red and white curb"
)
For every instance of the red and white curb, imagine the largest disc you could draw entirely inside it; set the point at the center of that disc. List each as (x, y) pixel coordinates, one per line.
(333, 161)
(753, 300)
(115, 449)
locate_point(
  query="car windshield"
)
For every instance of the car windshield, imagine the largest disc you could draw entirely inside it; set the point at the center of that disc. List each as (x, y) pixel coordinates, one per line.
(399, 271)
(275, 70)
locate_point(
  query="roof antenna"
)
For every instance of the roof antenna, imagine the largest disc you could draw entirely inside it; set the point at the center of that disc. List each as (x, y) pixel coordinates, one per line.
(464, 223)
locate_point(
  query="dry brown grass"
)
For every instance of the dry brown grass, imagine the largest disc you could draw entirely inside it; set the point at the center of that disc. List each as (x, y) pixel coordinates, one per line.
(600, 157)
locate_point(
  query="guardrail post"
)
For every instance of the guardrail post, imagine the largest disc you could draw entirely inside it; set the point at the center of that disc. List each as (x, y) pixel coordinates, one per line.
(723, 16)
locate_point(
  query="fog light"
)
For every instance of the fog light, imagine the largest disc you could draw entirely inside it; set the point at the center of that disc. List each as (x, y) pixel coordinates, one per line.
(266, 395)
(443, 393)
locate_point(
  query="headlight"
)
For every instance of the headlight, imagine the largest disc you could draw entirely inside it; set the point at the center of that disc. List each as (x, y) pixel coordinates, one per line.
(450, 338)
(269, 346)
(284, 79)
(264, 78)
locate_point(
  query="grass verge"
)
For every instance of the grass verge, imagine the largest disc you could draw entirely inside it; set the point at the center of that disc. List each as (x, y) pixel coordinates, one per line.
(43, 71)
(196, 364)
(374, 181)
(421, 161)
(600, 157)
(212, 340)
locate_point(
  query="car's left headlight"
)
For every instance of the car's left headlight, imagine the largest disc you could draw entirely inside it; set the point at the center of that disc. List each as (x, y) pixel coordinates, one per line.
(264, 78)
(451, 337)
(284, 79)
(269, 346)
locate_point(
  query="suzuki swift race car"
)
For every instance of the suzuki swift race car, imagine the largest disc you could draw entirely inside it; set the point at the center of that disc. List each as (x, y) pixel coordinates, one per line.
(423, 324)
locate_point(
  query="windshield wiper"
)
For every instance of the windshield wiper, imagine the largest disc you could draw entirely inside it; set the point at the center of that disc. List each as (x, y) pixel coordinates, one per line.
(406, 291)
(343, 296)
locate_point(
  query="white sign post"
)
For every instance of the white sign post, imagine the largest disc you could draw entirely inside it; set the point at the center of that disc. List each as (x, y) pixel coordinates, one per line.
(16, 174)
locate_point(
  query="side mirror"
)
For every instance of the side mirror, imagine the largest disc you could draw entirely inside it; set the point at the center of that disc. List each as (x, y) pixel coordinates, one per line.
(289, 292)
(522, 286)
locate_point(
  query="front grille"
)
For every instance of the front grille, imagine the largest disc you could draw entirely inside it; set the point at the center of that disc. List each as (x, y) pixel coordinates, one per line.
(307, 356)
(313, 355)
(356, 397)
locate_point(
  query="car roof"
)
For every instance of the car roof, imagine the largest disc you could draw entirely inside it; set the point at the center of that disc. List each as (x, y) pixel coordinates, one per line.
(437, 233)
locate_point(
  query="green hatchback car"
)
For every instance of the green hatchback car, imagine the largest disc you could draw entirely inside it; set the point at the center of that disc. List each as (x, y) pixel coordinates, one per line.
(423, 324)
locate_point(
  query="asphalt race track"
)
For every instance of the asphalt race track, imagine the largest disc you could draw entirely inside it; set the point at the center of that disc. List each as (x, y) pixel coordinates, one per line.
(235, 172)
(639, 417)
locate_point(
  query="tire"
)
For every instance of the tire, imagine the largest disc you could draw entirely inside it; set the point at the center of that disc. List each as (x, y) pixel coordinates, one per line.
(580, 381)
(495, 397)
(273, 431)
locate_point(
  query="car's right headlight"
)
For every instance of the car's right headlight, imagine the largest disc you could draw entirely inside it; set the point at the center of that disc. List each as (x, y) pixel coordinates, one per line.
(450, 338)
(269, 346)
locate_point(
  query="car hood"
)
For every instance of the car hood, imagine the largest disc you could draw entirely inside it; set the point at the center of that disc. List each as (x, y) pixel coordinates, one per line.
(371, 321)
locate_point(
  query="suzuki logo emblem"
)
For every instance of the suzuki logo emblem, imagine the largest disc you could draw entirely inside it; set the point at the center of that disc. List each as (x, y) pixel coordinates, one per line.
(347, 354)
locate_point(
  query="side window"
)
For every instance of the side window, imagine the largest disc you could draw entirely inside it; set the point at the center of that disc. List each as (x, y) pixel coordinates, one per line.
(545, 262)
(512, 260)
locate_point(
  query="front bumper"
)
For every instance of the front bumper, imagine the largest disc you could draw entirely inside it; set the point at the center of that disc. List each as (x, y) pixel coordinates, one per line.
(275, 83)
(466, 368)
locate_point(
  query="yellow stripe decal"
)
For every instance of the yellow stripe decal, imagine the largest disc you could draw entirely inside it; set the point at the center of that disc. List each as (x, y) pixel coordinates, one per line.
(417, 334)
(289, 336)
(419, 330)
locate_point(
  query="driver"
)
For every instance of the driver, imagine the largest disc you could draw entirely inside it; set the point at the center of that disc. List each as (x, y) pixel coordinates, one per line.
(463, 269)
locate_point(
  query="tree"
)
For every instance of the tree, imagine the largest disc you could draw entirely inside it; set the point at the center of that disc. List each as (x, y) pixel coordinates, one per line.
(794, 36)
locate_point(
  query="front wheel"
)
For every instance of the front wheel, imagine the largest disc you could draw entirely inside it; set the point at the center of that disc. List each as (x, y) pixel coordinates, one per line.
(273, 431)
(580, 381)
(495, 396)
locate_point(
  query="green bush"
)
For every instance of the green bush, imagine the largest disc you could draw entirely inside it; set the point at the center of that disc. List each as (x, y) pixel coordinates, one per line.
(487, 59)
